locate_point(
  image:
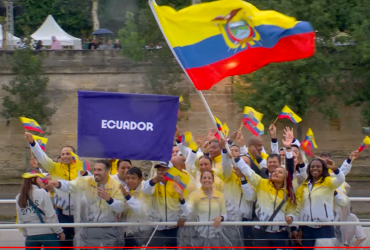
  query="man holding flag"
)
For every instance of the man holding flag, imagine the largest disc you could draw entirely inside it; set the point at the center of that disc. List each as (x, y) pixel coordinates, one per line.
(166, 205)
(66, 170)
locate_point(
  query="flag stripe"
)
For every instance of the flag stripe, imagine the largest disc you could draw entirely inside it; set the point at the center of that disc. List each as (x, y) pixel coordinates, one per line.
(287, 49)
(30, 127)
(287, 116)
(203, 53)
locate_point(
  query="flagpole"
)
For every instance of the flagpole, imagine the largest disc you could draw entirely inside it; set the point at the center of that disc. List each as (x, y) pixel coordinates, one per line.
(275, 120)
(209, 111)
(151, 2)
(241, 126)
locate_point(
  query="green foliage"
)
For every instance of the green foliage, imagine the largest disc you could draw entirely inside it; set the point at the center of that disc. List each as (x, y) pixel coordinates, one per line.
(27, 91)
(319, 82)
(73, 16)
(163, 72)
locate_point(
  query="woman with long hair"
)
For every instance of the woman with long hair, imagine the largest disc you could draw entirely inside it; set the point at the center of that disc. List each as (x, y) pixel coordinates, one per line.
(275, 202)
(34, 206)
(315, 200)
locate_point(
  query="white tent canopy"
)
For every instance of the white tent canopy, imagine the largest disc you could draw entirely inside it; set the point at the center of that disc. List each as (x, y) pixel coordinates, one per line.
(51, 28)
(14, 39)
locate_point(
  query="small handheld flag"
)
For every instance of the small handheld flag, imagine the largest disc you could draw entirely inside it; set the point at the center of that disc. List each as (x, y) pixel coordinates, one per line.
(220, 128)
(256, 130)
(188, 140)
(41, 141)
(252, 116)
(173, 174)
(31, 124)
(252, 121)
(287, 113)
(307, 148)
(365, 144)
(311, 138)
(76, 159)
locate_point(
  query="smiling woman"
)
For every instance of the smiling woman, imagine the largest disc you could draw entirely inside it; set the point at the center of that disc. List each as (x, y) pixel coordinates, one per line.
(315, 200)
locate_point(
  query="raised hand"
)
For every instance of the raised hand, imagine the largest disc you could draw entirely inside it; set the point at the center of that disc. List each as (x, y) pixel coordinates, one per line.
(28, 137)
(240, 139)
(205, 147)
(222, 143)
(199, 140)
(272, 129)
(289, 137)
(354, 155)
(331, 164)
(178, 190)
(33, 163)
(233, 136)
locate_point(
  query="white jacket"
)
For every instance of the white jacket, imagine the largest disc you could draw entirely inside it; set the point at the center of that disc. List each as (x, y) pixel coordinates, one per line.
(316, 203)
(28, 215)
(97, 209)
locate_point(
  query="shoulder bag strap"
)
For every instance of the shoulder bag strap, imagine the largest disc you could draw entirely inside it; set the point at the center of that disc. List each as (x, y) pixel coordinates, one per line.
(274, 213)
(38, 210)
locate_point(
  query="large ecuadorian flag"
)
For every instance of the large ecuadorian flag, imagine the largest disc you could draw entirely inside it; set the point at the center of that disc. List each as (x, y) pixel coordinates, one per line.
(231, 37)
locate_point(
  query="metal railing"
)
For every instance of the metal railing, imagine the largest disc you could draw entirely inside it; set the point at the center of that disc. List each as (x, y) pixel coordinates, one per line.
(155, 224)
(12, 201)
(171, 224)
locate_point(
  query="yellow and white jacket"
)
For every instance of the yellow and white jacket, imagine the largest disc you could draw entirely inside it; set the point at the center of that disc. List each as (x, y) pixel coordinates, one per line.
(137, 209)
(201, 208)
(268, 197)
(237, 206)
(165, 205)
(315, 201)
(96, 209)
(59, 171)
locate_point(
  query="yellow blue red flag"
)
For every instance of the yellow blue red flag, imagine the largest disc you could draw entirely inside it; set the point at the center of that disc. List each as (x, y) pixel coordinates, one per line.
(287, 113)
(76, 159)
(41, 141)
(231, 37)
(188, 140)
(31, 124)
(365, 144)
(311, 138)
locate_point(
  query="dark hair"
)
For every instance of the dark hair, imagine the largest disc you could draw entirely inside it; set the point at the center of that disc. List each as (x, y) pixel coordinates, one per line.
(205, 171)
(215, 141)
(294, 146)
(325, 170)
(119, 162)
(72, 148)
(206, 157)
(135, 170)
(274, 156)
(234, 145)
(105, 162)
(25, 193)
(325, 154)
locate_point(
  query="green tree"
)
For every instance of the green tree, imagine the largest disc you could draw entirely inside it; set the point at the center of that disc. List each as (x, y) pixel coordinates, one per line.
(356, 76)
(27, 90)
(163, 72)
(73, 16)
(308, 84)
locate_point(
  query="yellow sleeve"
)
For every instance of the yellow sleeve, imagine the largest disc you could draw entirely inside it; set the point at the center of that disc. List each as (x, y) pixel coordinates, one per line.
(299, 201)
